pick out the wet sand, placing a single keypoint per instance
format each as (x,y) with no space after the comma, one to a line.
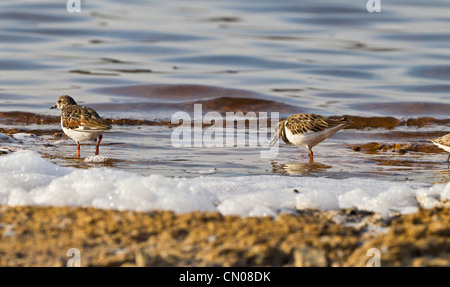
(41,236)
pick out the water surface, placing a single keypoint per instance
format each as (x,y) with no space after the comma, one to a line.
(139,62)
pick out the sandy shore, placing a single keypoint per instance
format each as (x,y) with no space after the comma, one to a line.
(41,236)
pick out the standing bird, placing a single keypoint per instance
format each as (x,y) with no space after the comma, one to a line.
(79,122)
(444,143)
(308,130)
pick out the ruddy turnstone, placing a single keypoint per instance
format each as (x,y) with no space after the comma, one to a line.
(80,123)
(444,143)
(308,130)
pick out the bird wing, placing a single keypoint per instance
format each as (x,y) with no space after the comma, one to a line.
(304,123)
(83,118)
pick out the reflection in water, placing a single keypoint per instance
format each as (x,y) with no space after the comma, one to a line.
(307,168)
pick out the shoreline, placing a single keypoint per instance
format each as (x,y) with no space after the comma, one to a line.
(41,236)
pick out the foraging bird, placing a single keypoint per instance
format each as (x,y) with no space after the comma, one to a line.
(80,123)
(444,143)
(308,130)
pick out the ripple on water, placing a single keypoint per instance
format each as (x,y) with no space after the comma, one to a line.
(341,73)
(36,17)
(23,64)
(439,72)
(405,108)
(6,38)
(234,61)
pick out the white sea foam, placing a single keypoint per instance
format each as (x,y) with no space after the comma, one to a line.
(28,179)
(97,159)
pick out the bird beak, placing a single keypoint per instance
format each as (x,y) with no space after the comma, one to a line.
(272,143)
(54,107)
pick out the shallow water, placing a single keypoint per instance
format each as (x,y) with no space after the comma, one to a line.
(138,63)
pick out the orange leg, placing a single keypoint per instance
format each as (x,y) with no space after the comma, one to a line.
(98,144)
(78,149)
(311,155)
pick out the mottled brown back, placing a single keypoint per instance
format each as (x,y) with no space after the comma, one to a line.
(303,123)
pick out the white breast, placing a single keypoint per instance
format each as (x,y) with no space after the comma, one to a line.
(311,139)
(80,135)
